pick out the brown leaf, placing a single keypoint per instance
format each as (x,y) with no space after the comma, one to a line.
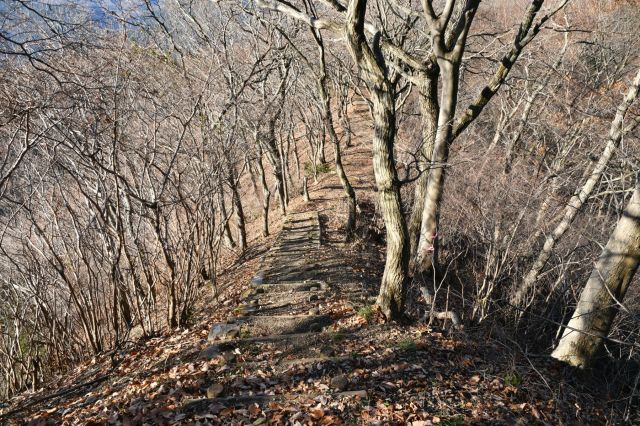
(254,410)
(317,413)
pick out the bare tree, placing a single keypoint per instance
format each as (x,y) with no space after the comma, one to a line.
(582,193)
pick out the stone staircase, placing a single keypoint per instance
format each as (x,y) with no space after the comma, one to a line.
(282,330)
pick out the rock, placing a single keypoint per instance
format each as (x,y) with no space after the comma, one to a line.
(244,309)
(356,393)
(223,331)
(340,382)
(314,311)
(312,297)
(327,350)
(209,353)
(315,327)
(228,357)
(215,390)
(314,288)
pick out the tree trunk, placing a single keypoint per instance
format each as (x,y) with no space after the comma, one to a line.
(327,117)
(393,286)
(322,159)
(581,196)
(305,190)
(224,219)
(266,195)
(428,96)
(346,185)
(296,157)
(426,253)
(284,185)
(238,210)
(448,38)
(272,153)
(371,64)
(604,291)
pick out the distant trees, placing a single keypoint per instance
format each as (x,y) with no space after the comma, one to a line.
(118,184)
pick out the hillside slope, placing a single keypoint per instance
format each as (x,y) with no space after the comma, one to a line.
(359,370)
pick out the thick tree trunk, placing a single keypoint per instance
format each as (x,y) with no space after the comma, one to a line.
(371,64)
(598,305)
(426,254)
(428,95)
(448,37)
(392,289)
(581,196)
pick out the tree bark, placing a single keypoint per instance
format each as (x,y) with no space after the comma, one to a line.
(266,195)
(305,190)
(273,157)
(224,219)
(371,64)
(327,117)
(238,210)
(426,253)
(448,39)
(428,96)
(598,305)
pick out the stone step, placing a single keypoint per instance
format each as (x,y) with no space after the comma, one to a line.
(206,404)
(284,341)
(281,324)
(270,299)
(276,367)
(288,286)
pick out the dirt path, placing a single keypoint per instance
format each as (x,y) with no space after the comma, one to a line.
(287,312)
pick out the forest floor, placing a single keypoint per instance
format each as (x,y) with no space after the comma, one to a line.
(291,337)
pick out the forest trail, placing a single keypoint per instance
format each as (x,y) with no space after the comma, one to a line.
(286,314)
(289,336)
